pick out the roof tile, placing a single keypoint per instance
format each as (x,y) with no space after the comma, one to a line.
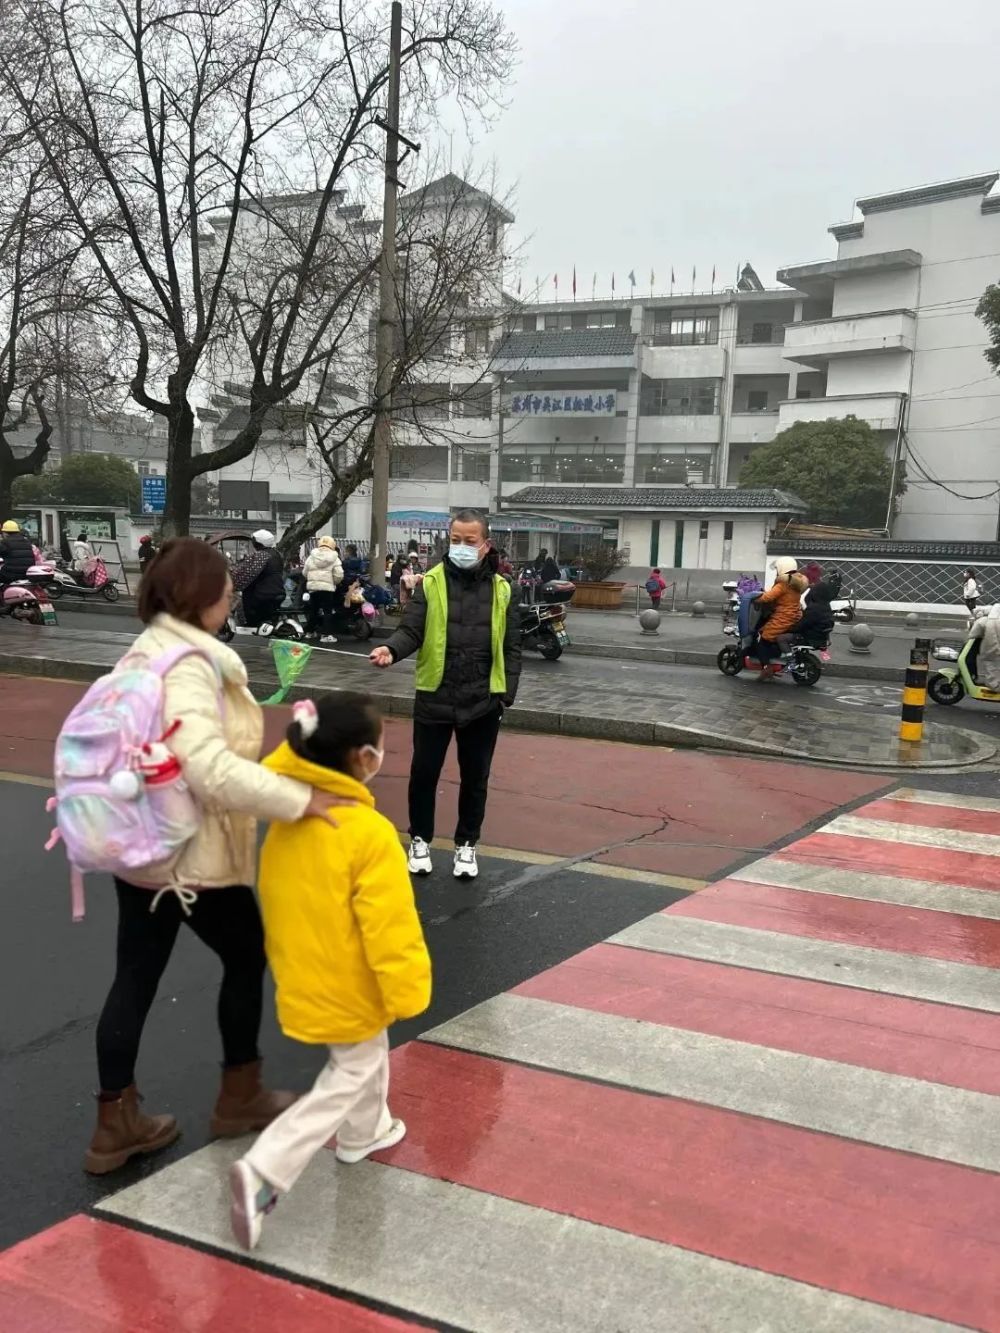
(658,497)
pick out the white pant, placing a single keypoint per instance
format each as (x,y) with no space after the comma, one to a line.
(348,1099)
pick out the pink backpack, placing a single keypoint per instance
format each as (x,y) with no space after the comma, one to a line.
(121,801)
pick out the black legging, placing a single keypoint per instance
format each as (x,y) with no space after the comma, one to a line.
(228,921)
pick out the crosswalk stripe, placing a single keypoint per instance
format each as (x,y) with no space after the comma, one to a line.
(953,1124)
(919,796)
(490,1263)
(812,878)
(962,984)
(983,844)
(893,1033)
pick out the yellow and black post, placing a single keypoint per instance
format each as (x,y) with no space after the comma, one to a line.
(911,724)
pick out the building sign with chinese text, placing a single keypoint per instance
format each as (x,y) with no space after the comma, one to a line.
(588,403)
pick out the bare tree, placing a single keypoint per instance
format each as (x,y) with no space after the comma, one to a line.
(50,307)
(191,119)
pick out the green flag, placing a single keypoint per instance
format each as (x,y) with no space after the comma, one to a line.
(290,661)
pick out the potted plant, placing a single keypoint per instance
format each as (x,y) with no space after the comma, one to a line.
(599,562)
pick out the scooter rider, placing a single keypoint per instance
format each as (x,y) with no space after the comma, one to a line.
(16,552)
(260,578)
(784,599)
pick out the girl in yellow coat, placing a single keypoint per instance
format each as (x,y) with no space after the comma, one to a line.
(346,950)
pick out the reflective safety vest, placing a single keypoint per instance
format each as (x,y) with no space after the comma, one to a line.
(430,658)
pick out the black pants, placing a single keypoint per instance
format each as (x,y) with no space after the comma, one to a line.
(321,609)
(475,743)
(228,921)
(256,610)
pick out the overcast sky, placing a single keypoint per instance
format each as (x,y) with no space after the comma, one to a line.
(645,133)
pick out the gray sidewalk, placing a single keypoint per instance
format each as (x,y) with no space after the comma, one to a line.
(769,722)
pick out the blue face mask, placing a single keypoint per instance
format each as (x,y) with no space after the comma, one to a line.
(464,557)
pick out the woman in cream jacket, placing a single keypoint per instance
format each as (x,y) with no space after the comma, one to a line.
(184,600)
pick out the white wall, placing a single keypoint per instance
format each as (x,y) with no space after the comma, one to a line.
(894,290)
(881,372)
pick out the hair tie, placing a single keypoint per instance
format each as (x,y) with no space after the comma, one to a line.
(306,715)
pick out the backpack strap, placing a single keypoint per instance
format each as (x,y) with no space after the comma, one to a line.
(168,660)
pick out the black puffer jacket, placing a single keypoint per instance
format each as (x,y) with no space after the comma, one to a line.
(17,556)
(464,694)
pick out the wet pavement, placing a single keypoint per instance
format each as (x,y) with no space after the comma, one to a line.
(645,704)
(772,1105)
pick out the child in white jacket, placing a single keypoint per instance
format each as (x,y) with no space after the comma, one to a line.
(323,573)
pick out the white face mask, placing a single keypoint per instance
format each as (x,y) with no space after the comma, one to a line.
(465,557)
(379,756)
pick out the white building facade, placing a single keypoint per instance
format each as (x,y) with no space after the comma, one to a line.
(900,347)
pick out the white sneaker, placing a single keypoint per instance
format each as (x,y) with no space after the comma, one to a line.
(328,638)
(395,1132)
(466,866)
(419,861)
(250,1198)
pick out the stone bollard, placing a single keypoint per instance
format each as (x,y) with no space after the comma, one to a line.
(650,622)
(698,609)
(912,620)
(861,638)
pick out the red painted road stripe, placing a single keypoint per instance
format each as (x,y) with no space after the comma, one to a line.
(972,869)
(891,1033)
(933,816)
(908,1232)
(86,1276)
(828,916)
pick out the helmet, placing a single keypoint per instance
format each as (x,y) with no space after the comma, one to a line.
(784,565)
(262,537)
(11,526)
(147,538)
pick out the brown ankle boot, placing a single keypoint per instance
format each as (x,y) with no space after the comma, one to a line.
(124,1131)
(244,1105)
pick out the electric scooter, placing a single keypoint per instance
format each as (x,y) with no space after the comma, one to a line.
(951,684)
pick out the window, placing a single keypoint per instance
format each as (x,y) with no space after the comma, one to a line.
(655,466)
(762,333)
(757,400)
(803,393)
(727,530)
(589,319)
(685,328)
(565,463)
(477,337)
(421,463)
(679,398)
(703,530)
(424,402)
(470,464)
(529,323)
(473,400)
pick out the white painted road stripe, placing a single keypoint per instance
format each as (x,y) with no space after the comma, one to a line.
(915,835)
(889,1110)
(920,797)
(812,878)
(817,960)
(487,1263)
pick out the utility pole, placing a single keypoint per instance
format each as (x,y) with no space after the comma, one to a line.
(498,502)
(385,332)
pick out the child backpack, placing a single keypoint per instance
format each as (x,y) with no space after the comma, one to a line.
(121,802)
(652,586)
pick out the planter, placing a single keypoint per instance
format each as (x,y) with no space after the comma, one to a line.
(607,596)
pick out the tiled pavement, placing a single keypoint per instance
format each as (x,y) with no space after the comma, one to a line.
(775,1106)
(769,722)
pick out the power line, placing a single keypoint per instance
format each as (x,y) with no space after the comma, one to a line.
(912,453)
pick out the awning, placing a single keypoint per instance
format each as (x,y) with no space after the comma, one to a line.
(508,522)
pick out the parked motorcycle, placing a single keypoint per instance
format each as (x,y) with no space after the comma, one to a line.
(542,615)
(62,581)
(26,600)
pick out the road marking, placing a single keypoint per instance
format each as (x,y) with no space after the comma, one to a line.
(981,844)
(829,1096)
(965,984)
(920,797)
(684,883)
(25,779)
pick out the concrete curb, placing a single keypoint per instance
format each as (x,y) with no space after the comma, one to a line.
(584,725)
